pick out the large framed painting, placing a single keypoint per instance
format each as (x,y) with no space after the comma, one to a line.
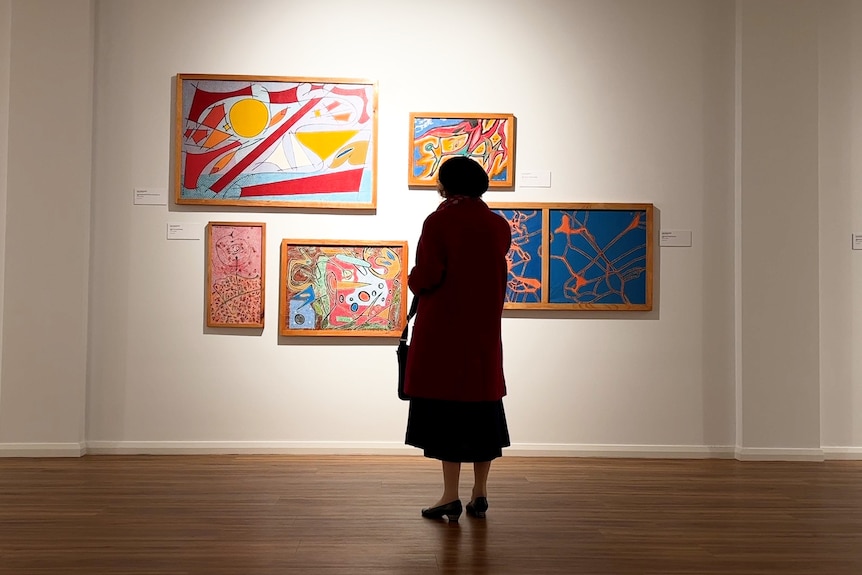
(343,288)
(487,138)
(276,141)
(235,274)
(587,256)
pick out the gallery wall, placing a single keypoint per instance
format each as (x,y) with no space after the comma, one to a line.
(840,216)
(611,99)
(621,101)
(5,46)
(47,225)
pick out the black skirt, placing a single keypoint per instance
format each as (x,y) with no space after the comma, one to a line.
(458,430)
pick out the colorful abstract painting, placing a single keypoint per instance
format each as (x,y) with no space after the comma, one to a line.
(525,256)
(269,141)
(235,259)
(598,257)
(487,138)
(343,288)
(579,256)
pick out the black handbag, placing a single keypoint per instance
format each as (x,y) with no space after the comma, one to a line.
(402,350)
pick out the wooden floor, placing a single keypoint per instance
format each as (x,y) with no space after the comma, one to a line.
(220,515)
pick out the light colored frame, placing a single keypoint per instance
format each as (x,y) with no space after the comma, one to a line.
(487,138)
(309,277)
(634,265)
(272,141)
(235,290)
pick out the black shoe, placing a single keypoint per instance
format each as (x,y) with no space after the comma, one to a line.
(478,507)
(451,510)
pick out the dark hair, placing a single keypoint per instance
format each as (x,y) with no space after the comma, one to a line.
(463,176)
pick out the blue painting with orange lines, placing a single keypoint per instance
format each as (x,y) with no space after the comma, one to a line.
(276,141)
(598,257)
(524,284)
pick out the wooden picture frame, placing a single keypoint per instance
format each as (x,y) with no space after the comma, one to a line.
(235,274)
(437,136)
(270,141)
(343,288)
(599,256)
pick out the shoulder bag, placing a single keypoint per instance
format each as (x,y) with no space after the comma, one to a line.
(402,350)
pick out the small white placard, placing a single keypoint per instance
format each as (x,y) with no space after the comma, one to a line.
(535,179)
(185,231)
(151,196)
(675,239)
(857,241)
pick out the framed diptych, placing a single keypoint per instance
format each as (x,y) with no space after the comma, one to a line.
(487,138)
(235,274)
(276,141)
(579,256)
(343,288)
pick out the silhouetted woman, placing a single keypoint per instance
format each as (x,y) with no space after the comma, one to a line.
(455,364)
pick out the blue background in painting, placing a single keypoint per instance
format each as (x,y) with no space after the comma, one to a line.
(526,235)
(614,265)
(422,125)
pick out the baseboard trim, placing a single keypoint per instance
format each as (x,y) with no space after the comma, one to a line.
(34,450)
(247,448)
(622,451)
(41,450)
(834,452)
(391,448)
(779,454)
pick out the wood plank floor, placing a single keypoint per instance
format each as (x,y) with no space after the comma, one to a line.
(248,515)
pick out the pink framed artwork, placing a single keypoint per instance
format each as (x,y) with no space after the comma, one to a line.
(235,274)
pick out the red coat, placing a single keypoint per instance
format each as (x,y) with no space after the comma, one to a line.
(460,276)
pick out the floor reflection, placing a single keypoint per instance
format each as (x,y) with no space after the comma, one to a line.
(462,546)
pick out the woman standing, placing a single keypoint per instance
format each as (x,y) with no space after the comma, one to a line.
(454,371)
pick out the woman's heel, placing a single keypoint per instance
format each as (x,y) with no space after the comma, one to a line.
(451,510)
(478,507)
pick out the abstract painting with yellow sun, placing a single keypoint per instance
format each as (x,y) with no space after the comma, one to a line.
(276,141)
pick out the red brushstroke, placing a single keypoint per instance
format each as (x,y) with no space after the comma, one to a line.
(285,96)
(362,93)
(339,182)
(203,100)
(195,164)
(215,117)
(199,136)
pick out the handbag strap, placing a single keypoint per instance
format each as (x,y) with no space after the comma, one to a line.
(413,307)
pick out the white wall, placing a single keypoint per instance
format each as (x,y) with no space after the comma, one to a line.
(622,100)
(780,290)
(840,216)
(5,61)
(47,226)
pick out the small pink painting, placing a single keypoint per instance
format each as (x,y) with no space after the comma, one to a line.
(235,274)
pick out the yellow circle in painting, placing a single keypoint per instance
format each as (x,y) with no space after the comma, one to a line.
(248,117)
